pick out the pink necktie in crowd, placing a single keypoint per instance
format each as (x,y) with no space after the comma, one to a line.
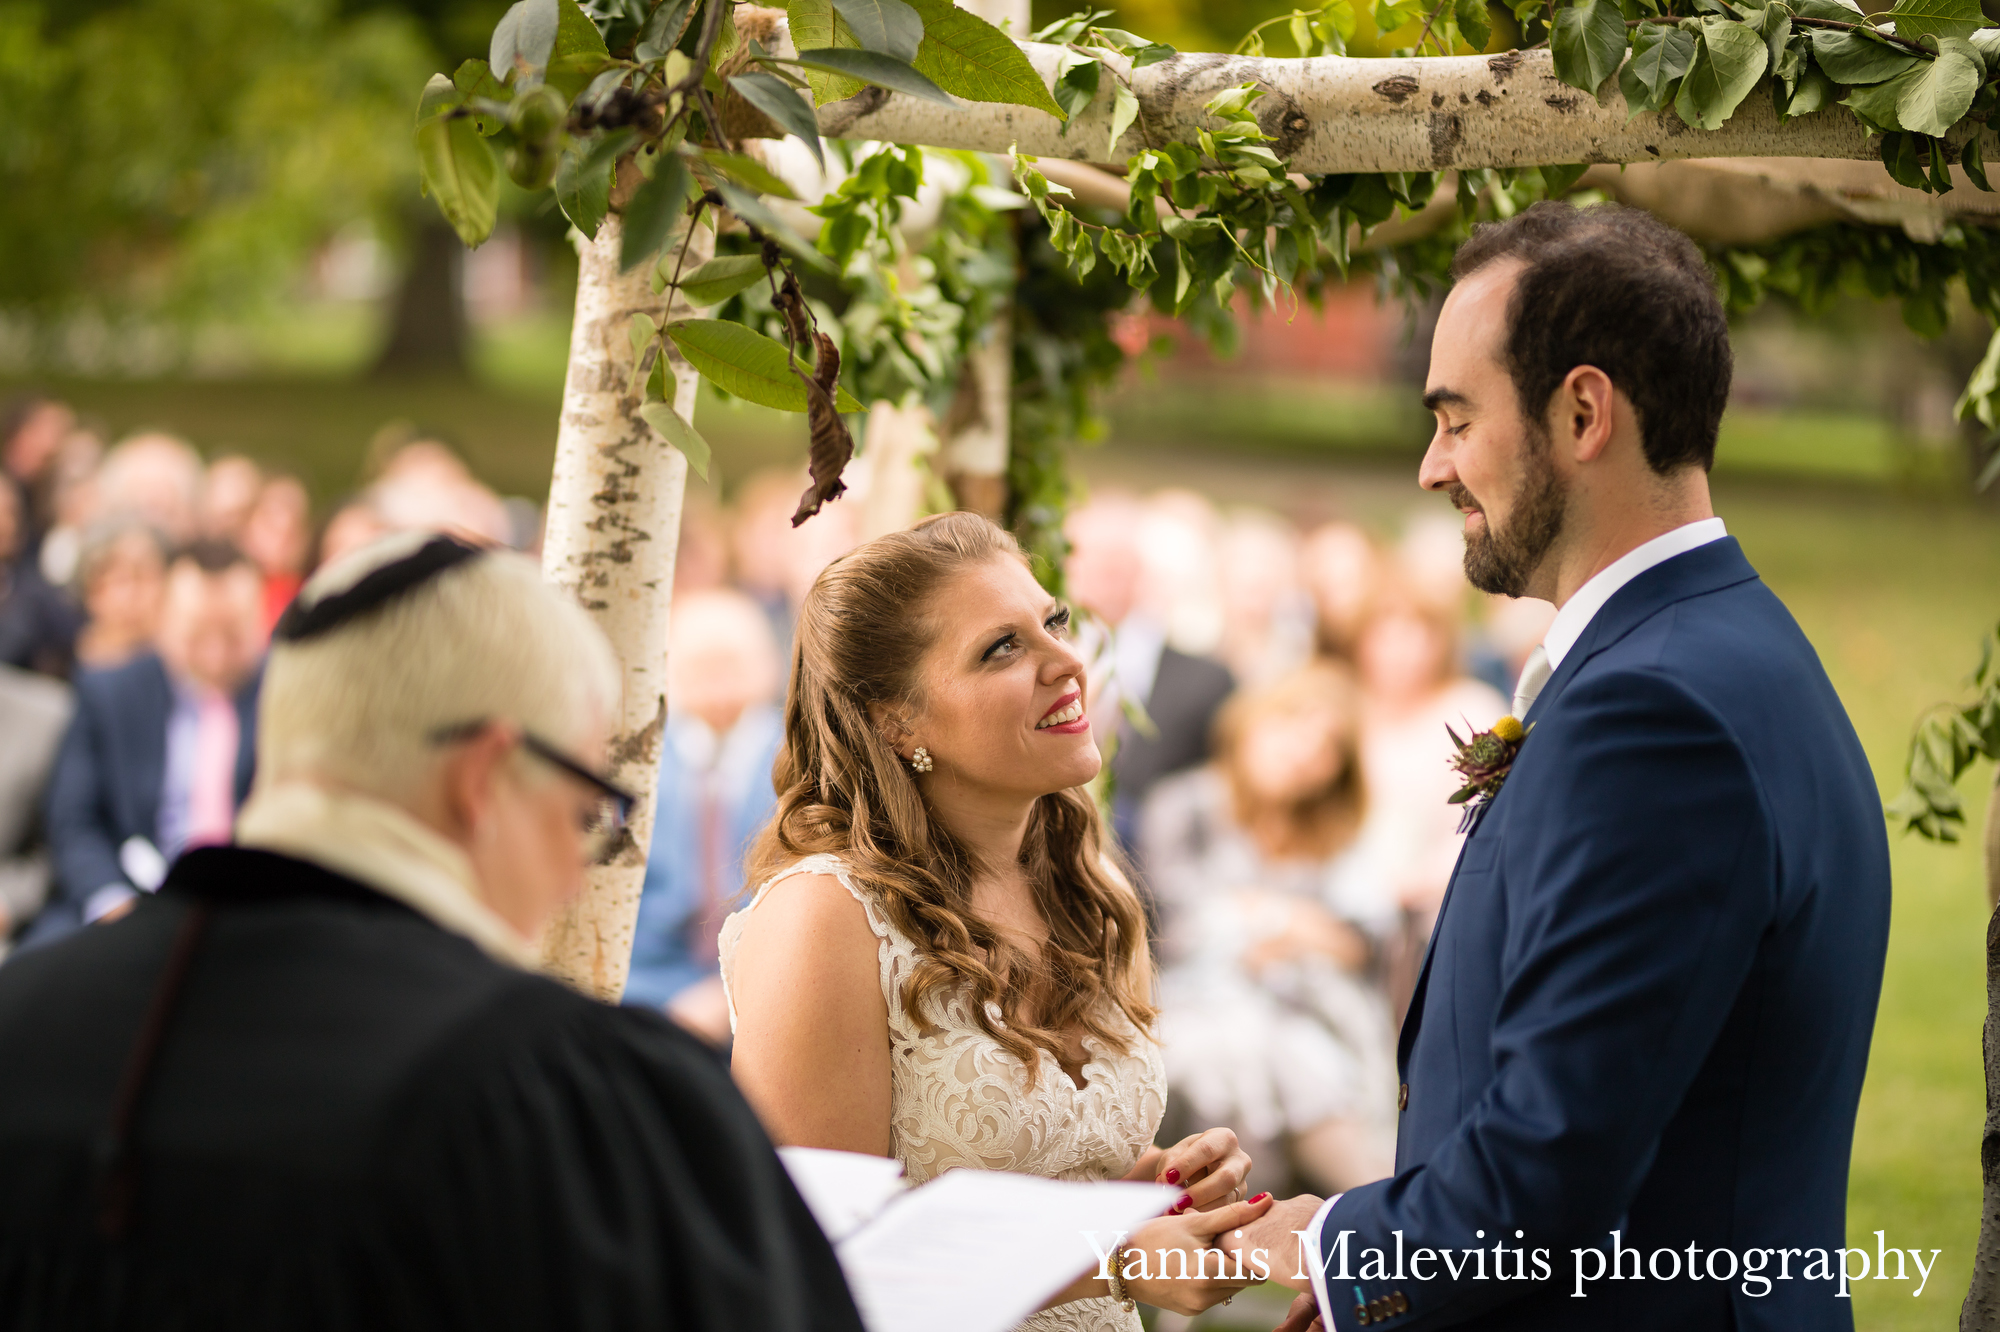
(212,793)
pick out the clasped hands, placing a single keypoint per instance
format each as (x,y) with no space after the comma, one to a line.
(1187,1265)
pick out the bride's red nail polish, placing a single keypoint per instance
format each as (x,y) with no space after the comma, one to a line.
(1259,1198)
(1187,1200)
(1173,1175)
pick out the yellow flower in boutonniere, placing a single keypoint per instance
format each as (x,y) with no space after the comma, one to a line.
(1483,761)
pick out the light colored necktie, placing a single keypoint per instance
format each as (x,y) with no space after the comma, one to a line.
(212,790)
(1533,676)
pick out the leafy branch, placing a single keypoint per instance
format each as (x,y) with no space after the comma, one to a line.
(1948,740)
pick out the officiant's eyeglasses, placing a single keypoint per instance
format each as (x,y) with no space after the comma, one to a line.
(603,824)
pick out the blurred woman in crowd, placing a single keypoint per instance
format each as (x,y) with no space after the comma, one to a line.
(1413,688)
(1340,564)
(121,580)
(277,535)
(1272,911)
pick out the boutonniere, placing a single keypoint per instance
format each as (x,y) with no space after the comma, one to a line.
(1483,762)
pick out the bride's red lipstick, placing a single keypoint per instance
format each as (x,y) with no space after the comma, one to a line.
(1076,727)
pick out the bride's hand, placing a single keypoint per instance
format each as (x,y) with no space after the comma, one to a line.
(1209,1166)
(1166,1284)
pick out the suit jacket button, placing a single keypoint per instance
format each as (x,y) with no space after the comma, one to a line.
(1403,1096)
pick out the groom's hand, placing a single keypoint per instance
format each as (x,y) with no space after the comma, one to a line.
(1274,1233)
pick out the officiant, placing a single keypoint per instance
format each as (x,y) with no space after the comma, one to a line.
(314,1080)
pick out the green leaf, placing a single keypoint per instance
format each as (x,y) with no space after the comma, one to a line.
(1929,97)
(1727,64)
(473,79)
(1974,162)
(1152,54)
(888,26)
(1660,55)
(874,67)
(742,169)
(583,181)
(1076,84)
(456,166)
(1558,179)
(1852,60)
(679,433)
(1937,18)
(1814,91)
(1474,22)
(1899,156)
(778,100)
(663,30)
(748,364)
(719,279)
(747,206)
(653,211)
(970,58)
(524,39)
(1839,11)
(579,53)
(1124,110)
(1588,42)
(815,24)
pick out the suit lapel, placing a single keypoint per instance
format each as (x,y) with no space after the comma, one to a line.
(1707,568)
(152,703)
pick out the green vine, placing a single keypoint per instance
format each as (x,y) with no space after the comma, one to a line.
(1948,740)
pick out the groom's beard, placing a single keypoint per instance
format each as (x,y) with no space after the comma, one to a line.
(1502,560)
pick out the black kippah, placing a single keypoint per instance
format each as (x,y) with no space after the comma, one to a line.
(375,588)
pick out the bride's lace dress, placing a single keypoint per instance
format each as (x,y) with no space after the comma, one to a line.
(959,1099)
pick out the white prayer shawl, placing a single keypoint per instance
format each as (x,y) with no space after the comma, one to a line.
(377,844)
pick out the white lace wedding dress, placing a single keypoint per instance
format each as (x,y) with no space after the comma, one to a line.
(959,1099)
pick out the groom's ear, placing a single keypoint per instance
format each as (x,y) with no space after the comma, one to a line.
(1585,413)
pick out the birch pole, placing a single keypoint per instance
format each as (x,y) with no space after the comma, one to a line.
(613,526)
(1338,114)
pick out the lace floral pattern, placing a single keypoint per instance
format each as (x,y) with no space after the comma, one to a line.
(958,1098)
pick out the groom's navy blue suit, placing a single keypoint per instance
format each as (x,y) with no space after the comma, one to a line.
(1649,995)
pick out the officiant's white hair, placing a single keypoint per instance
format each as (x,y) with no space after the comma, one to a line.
(484,639)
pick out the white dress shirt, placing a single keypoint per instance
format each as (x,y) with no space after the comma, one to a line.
(1570,622)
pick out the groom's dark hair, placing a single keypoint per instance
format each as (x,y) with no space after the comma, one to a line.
(1616,288)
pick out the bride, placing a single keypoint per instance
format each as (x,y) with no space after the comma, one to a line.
(942,965)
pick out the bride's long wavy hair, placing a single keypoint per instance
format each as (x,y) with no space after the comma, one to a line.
(862,631)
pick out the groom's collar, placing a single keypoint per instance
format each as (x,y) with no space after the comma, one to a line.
(1706,568)
(1573,620)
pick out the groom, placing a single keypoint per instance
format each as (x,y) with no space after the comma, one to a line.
(1640,1034)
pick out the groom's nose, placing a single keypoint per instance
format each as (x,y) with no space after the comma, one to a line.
(1437,470)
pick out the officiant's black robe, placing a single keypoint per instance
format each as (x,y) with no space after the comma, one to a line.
(351,1118)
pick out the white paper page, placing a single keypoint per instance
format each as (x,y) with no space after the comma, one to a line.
(980,1250)
(843,1189)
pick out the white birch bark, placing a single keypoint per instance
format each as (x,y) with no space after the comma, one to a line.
(1335,114)
(613,526)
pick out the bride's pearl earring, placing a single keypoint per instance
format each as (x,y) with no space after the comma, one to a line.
(921,760)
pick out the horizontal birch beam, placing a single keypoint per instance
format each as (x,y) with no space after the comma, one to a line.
(1334,114)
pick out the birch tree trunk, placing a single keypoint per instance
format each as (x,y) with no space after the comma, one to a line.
(1337,114)
(613,527)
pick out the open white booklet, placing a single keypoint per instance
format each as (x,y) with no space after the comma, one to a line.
(973,1250)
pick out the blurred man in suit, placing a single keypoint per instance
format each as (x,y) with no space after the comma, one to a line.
(1180,693)
(160,752)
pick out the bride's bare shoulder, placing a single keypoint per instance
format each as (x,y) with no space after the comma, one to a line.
(810,921)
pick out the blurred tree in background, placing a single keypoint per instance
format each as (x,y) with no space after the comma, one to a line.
(172,161)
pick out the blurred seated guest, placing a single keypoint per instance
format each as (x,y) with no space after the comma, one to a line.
(424,485)
(277,536)
(73,505)
(121,579)
(229,489)
(34,710)
(723,731)
(32,431)
(1412,689)
(1179,692)
(1272,908)
(38,625)
(155,477)
(160,752)
(354,1106)
(1432,557)
(356,523)
(1267,614)
(1340,564)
